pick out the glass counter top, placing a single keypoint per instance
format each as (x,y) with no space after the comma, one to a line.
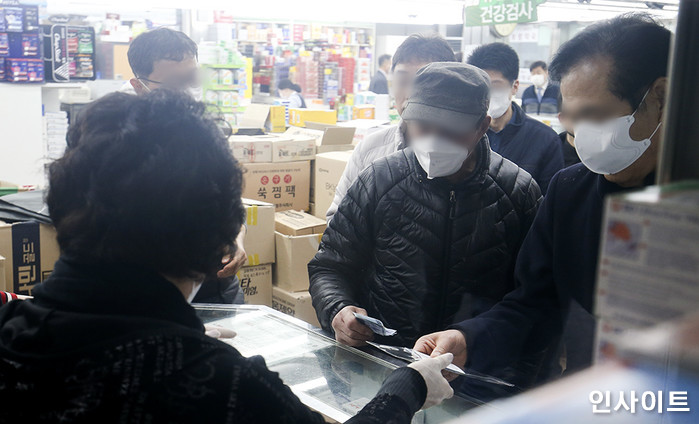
(333,379)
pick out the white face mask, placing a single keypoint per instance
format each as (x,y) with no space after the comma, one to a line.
(538,80)
(196,285)
(499,103)
(197,93)
(437,156)
(607,147)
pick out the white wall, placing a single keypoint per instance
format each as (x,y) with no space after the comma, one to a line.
(21,143)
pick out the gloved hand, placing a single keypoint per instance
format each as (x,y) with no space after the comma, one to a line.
(217,332)
(438,387)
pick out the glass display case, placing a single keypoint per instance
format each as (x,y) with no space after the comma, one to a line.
(333,379)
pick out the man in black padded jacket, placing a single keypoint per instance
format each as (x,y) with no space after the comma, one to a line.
(429,235)
(145,201)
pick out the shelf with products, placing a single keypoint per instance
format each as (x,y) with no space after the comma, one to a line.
(279,48)
(227,83)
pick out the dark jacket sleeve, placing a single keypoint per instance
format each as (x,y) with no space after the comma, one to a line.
(551,160)
(498,337)
(265,398)
(337,272)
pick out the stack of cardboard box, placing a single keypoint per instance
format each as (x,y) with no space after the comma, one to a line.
(297,236)
(278,168)
(328,138)
(29,250)
(328,171)
(256,277)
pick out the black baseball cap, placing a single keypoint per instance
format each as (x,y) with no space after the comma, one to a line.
(452,95)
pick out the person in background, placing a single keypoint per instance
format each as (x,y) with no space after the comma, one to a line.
(379,83)
(291,92)
(613,78)
(541,96)
(162,57)
(165,58)
(527,142)
(414,53)
(570,156)
(428,235)
(110,336)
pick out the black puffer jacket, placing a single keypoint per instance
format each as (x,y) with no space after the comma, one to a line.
(422,254)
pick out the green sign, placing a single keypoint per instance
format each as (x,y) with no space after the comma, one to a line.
(493,12)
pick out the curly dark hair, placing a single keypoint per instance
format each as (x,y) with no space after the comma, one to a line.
(150,181)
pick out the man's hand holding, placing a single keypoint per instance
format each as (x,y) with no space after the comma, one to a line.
(348,330)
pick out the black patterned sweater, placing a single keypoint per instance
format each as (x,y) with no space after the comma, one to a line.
(108,344)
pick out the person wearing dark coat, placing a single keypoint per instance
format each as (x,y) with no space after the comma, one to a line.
(146,201)
(542,96)
(531,144)
(428,235)
(557,266)
(379,83)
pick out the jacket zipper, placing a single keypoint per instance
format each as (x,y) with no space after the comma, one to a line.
(447,255)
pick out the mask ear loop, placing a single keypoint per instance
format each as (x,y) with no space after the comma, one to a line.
(639,105)
(642,100)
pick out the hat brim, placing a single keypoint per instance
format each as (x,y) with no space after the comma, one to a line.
(448,119)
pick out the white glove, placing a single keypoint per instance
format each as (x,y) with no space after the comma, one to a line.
(438,387)
(217,332)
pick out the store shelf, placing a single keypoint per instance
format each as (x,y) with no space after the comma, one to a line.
(222,87)
(228,66)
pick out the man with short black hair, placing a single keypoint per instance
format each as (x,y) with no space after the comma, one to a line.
(415,52)
(541,96)
(527,142)
(613,79)
(163,58)
(379,84)
(427,235)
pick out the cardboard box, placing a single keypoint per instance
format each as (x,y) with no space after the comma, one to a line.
(297,305)
(364,112)
(364,127)
(277,119)
(298,223)
(259,239)
(299,117)
(285,185)
(248,149)
(328,171)
(256,284)
(30,251)
(2,271)
(293,255)
(328,138)
(255,117)
(272,148)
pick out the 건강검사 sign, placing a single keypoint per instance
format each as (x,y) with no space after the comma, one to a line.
(491,12)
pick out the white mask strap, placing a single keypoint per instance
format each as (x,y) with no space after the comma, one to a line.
(656,130)
(642,100)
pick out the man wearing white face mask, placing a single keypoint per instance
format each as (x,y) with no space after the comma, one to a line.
(541,96)
(613,84)
(527,142)
(426,236)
